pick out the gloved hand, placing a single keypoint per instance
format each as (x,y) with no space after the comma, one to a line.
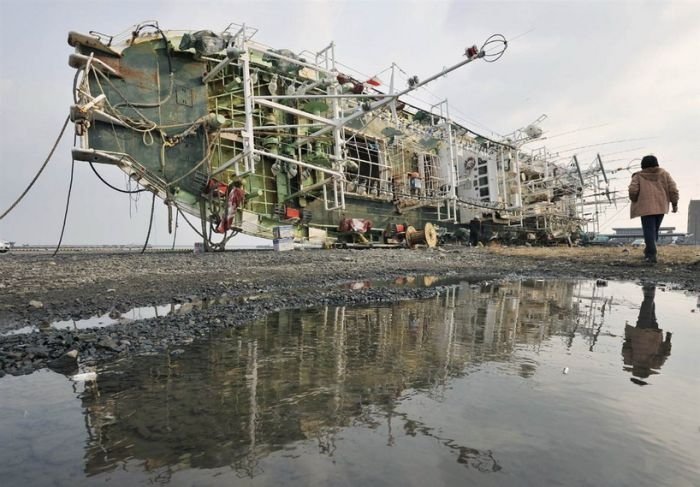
(674,208)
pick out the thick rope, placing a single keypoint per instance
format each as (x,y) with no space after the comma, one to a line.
(150,224)
(65,124)
(65,215)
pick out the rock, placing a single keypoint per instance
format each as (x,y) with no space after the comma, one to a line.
(108,343)
(66,364)
(38,351)
(36,304)
(84,377)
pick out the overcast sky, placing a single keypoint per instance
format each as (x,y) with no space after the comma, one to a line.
(602,72)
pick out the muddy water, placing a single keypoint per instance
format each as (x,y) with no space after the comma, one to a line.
(521,383)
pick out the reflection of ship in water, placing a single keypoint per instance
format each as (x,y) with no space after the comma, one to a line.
(299,376)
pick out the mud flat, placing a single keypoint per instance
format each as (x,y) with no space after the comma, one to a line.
(229,289)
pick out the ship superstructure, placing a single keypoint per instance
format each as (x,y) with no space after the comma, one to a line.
(248,139)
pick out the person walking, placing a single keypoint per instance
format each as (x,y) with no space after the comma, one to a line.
(475,231)
(651,190)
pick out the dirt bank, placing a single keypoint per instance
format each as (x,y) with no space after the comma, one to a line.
(36,289)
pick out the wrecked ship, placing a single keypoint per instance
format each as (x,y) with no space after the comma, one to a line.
(273,143)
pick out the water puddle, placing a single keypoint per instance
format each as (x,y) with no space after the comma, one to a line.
(511,383)
(140,313)
(403,281)
(148,312)
(107,319)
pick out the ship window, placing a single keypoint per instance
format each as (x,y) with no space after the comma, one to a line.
(484,192)
(483,181)
(367,155)
(483,170)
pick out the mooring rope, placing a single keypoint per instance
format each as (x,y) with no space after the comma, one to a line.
(41,169)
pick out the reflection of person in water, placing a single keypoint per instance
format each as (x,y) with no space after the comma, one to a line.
(645,348)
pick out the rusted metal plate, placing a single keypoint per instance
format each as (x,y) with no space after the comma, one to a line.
(76,39)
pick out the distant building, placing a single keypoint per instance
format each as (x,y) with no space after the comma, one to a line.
(637,231)
(628,235)
(693,223)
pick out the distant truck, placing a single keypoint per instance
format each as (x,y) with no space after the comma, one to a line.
(4,246)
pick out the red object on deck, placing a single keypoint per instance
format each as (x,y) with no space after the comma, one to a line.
(216,187)
(357,225)
(291,213)
(236,199)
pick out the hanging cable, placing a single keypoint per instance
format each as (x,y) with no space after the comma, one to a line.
(65,215)
(204,160)
(41,169)
(177,214)
(150,224)
(180,212)
(114,187)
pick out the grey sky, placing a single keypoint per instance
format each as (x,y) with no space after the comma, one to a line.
(630,69)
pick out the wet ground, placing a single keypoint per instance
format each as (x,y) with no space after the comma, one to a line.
(108,305)
(510,382)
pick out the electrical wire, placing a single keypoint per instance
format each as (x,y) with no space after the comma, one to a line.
(180,212)
(114,187)
(150,224)
(157,28)
(177,214)
(65,214)
(119,115)
(41,169)
(620,141)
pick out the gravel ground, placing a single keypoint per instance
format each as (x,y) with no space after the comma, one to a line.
(36,289)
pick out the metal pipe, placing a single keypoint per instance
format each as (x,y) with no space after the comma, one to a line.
(228,163)
(338,135)
(311,187)
(335,193)
(75,60)
(391,90)
(387,100)
(248,140)
(303,97)
(291,60)
(450,141)
(293,111)
(271,127)
(216,70)
(336,174)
